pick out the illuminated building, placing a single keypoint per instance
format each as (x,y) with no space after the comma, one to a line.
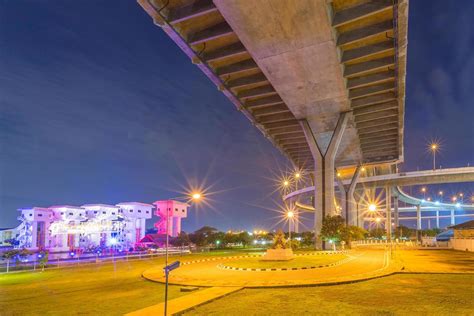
(176,211)
(65,227)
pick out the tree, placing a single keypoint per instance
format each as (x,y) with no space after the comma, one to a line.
(9,255)
(332,228)
(43,258)
(403,231)
(431,232)
(216,238)
(377,232)
(230,238)
(244,239)
(182,240)
(307,239)
(201,236)
(198,239)
(350,233)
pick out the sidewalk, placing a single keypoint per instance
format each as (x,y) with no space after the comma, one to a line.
(185,302)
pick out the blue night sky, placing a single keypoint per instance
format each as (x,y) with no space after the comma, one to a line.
(98,105)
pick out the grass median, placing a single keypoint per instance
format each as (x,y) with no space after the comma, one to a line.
(401,294)
(88,289)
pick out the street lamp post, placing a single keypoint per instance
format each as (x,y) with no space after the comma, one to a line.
(195,197)
(434,148)
(290,215)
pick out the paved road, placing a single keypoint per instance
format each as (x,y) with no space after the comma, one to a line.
(364,264)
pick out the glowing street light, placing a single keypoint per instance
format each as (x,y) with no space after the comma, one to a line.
(196,196)
(423,189)
(372,207)
(454,198)
(297,175)
(378,219)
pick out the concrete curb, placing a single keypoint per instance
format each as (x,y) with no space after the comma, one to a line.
(221,266)
(319,253)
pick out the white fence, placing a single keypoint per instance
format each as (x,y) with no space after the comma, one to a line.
(465,244)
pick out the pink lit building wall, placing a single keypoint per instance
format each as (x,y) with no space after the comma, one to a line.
(176,211)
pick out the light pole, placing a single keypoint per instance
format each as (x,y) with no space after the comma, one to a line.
(290,216)
(196,196)
(434,149)
(423,189)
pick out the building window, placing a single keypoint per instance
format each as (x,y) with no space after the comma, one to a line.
(175,209)
(131,211)
(95,212)
(113,213)
(30,214)
(62,213)
(71,214)
(183,211)
(40,215)
(147,212)
(104,212)
(139,211)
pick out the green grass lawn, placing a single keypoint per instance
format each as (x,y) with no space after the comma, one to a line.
(303,261)
(102,289)
(408,294)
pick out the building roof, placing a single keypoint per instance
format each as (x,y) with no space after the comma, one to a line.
(133,203)
(35,208)
(174,201)
(100,205)
(66,206)
(156,238)
(465,225)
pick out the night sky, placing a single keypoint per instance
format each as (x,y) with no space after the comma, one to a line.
(98,105)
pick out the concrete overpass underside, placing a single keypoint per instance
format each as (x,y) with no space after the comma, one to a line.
(282,62)
(323,80)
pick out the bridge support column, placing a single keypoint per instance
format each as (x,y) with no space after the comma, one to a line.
(342,197)
(324,172)
(418,222)
(453,221)
(351,203)
(388,212)
(437,219)
(360,214)
(395,211)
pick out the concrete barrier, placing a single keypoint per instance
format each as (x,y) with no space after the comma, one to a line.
(465,244)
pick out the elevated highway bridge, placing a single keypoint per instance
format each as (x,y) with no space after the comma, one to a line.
(323,80)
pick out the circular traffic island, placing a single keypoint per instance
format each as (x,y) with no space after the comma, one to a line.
(299,262)
(251,271)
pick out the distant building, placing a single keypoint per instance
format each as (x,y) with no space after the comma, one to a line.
(65,227)
(176,211)
(464,230)
(6,234)
(463,236)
